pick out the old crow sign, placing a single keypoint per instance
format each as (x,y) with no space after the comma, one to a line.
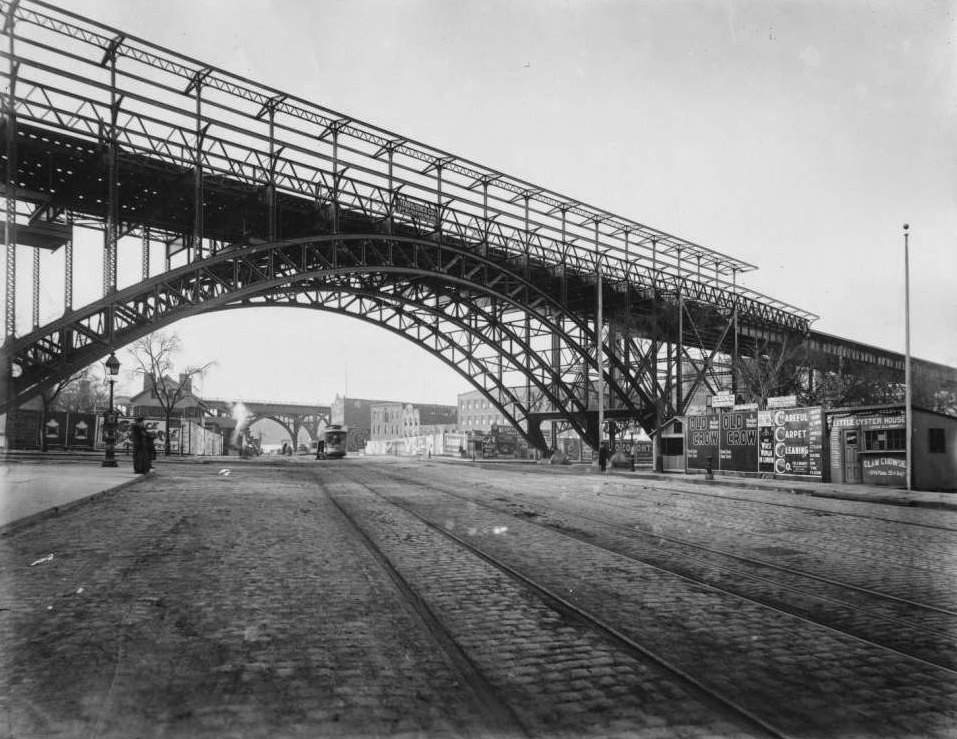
(739,441)
(702,441)
(729,439)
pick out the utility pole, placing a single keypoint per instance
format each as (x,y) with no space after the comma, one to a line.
(908,408)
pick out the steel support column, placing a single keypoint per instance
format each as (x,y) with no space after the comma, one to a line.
(196,85)
(734,355)
(556,365)
(271,188)
(10,222)
(679,384)
(68,268)
(438,199)
(111,228)
(599,344)
(145,256)
(333,128)
(390,219)
(36,288)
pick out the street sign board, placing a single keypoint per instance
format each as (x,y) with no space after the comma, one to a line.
(783,401)
(722,400)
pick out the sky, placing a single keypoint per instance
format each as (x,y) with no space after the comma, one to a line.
(796,135)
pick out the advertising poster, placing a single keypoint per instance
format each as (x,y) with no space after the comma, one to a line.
(454,444)
(701,441)
(157,429)
(884,470)
(54,429)
(797,441)
(81,430)
(572,448)
(816,441)
(765,441)
(739,441)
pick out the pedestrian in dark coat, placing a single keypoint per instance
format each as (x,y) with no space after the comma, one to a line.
(602,457)
(142,442)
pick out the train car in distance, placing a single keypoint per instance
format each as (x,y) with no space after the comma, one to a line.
(335,437)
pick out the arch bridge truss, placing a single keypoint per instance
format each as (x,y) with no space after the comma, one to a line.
(213,193)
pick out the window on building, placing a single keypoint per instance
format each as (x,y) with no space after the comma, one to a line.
(937,440)
(885,440)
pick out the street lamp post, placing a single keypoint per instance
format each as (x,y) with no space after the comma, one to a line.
(908,409)
(109,418)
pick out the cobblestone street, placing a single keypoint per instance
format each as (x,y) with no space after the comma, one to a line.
(366,598)
(205,605)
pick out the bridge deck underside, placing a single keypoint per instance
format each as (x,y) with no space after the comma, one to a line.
(58,173)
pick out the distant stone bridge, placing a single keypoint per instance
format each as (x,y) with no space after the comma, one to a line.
(293,417)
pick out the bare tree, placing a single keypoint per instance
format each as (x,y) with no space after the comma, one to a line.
(82,392)
(153,359)
(857,384)
(775,369)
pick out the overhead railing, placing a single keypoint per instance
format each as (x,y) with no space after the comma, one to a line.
(82,78)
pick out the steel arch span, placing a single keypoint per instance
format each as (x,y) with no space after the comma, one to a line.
(497,328)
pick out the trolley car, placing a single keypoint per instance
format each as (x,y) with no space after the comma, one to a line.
(334,442)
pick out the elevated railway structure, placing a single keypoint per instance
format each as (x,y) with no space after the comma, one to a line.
(258,198)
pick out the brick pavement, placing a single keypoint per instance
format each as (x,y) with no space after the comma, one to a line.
(777,664)
(782,578)
(559,676)
(121,656)
(200,605)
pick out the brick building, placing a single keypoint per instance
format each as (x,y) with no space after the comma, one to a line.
(146,404)
(403,420)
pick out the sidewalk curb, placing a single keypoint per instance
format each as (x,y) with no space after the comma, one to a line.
(29,520)
(803,490)
(744,483)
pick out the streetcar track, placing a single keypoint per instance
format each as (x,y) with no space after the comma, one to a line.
(764,563)
(772,537)
(704,583)
(777,536)
(503,718)
(570,610)
(730,555)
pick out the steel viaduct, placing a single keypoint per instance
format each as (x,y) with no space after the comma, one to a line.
(257,198)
